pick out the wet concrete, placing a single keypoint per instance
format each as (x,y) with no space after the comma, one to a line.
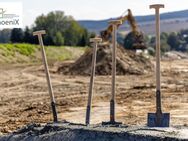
(77,132)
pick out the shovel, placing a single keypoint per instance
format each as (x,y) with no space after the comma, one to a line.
(53,105)
(158,119)
(96,41)
(112,121)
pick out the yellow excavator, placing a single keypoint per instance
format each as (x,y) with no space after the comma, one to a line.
(138,44)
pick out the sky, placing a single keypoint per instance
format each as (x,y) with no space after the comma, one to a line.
(94,9)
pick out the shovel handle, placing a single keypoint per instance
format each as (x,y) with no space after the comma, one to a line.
(96,41)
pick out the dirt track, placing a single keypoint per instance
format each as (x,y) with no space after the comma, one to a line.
(24,96)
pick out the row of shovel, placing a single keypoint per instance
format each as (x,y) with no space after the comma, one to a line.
(157,119)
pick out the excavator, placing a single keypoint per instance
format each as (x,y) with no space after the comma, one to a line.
(138,36)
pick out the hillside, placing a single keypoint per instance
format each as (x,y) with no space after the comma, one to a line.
(171,21)
(28,53)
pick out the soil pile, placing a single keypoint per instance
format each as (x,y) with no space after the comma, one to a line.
(128,62)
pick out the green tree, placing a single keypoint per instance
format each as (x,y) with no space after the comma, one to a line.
(28,36)
(164,36)
(58,40)
(84,39)
(151,51)
(165,47)
(5,35)
(61,27)
(17,35)
(73,34)
(173,41)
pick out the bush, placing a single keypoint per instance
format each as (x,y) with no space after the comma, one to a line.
(151,51)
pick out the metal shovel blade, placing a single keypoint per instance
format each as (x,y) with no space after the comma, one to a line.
(158,121)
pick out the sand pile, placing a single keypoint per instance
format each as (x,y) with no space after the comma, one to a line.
(127,63)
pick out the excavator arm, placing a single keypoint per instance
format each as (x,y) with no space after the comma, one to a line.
(106,34)
(137,37)
(130,18)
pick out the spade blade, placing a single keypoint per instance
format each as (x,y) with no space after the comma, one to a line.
(162,120)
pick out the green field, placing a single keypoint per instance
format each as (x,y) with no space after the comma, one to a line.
(28,53)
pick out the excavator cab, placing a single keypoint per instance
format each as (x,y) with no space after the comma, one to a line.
(105,35)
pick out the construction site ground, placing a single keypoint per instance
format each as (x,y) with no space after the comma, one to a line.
(24,96)
(65,131)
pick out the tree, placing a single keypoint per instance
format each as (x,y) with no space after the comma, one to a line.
(17,35)
(164,36)
(84,39)
(28,37)
(152,42)
(164,46)
(61,29)
(5,35)
(173,41)
(151,51)
(73,34)
(58,40)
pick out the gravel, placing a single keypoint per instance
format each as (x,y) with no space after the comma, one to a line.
(66,131)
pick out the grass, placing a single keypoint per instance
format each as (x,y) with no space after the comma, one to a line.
(21,53)
(24,49)
(64,53)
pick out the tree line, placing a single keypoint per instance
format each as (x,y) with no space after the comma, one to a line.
(176,41)
(61,30)
(64,30)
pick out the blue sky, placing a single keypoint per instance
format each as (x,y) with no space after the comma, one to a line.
(95,9)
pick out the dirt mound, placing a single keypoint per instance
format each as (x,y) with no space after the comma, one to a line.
(127,63)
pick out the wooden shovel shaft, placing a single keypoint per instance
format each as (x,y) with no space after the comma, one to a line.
(46,69)
(158,58)
(158,54)
(158,67)
(88,112)
(114,24)
(114,61)
(95,40)
(114,45)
